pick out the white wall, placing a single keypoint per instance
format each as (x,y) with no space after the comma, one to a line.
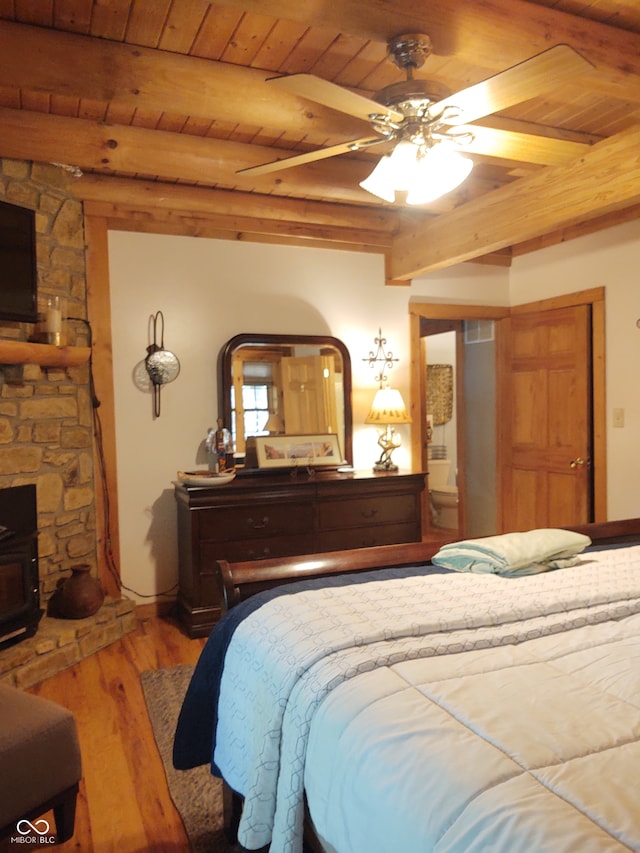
(609,259)
(210,290)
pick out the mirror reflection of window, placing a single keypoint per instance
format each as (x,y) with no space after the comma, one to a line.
(257,399)
(255,402)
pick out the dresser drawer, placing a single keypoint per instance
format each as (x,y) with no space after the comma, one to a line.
(254,549)
(367,537)
(367,511)
(269,516)
(226,524)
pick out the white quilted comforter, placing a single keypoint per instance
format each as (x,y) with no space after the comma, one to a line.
(286,661)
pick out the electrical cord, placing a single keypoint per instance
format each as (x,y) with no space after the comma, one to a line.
(97,426)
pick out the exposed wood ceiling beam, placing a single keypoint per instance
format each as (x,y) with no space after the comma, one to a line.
(133,78)
(619,217)
(605,179)
(238,228)
(199,212)
(142,78)
(139,152)
(202,201)
(491,35)
(171,156)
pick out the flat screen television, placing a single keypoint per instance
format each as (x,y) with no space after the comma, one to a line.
(18,271)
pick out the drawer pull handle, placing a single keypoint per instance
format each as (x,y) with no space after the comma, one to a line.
(369,513)
(258,525)
(252,555)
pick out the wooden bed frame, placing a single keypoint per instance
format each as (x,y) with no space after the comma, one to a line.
(241,580)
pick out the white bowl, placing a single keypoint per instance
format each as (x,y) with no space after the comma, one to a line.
(205,478)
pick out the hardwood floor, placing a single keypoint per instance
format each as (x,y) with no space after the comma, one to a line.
(124,802)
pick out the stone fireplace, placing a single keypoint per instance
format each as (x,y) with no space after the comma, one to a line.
(46,413)
(20,610)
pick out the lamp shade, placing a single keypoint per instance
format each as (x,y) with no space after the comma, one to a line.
(388,408)
(438,172)
(403,163)
(274,423)
(380,181)
(395,171)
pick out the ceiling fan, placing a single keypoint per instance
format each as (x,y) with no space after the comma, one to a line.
(423,121)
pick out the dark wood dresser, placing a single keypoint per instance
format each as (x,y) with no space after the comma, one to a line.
(265,515)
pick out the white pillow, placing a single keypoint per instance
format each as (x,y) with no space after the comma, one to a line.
(514,554)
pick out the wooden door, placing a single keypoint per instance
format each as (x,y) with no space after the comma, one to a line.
(547,480)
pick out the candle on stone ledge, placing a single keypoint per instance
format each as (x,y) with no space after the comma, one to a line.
(53,320)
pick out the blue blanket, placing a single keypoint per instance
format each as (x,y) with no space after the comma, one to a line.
(194,739)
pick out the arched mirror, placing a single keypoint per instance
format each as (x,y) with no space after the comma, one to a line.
(286,384)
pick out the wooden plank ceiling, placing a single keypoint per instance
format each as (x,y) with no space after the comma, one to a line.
(159,104)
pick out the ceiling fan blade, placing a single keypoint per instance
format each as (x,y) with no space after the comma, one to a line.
(331,95)
(528,79)
(525,147)
(312,156)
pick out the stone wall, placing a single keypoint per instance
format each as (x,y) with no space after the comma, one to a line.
(46,417)
(61,643)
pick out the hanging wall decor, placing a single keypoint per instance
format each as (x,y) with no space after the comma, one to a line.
(388,409)
(162,366)
(440,392)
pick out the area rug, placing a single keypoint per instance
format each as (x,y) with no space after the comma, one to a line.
(197,795)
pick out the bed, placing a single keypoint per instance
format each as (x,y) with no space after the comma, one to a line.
(374,700)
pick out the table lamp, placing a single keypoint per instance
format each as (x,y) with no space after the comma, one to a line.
(387,409)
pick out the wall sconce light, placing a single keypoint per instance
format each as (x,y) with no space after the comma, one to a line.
(162,366)
(387,409)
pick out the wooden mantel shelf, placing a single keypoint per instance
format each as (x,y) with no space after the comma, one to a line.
(46,355)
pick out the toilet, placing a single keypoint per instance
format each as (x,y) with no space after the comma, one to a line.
(444,498)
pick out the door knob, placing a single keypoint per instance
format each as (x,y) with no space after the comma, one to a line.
(577,463)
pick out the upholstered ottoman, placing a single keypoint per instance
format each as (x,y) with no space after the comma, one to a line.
(39,763)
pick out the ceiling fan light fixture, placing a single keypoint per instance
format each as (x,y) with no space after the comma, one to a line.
(437,172)
(395,171)
(403,164)
(380,181)
(425,174)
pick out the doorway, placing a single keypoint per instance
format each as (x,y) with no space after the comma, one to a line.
(472,447)
(422,323)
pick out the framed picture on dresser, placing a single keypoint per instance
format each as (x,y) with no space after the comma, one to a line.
(289,451)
